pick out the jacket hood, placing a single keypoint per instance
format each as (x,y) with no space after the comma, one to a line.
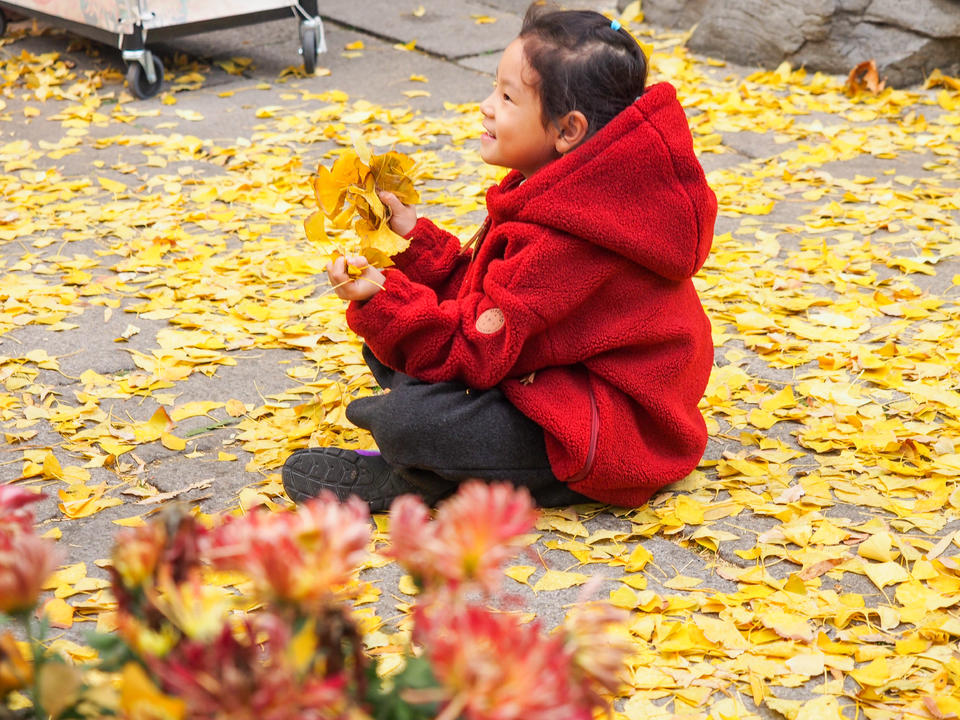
(635,188)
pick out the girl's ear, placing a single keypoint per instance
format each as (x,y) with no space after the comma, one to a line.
(571,131)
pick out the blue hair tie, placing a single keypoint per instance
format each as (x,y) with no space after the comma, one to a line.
(615,24)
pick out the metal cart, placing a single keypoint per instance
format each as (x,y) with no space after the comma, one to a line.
(128,24)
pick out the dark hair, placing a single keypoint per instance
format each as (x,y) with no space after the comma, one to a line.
(583,62)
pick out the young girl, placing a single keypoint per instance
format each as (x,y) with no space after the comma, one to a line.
(566,351)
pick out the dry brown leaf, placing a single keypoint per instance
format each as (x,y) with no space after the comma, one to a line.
(865,78)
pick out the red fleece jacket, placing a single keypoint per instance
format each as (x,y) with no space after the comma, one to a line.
(583,279)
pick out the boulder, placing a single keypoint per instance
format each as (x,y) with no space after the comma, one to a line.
(908,40)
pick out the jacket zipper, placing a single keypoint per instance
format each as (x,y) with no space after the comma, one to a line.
(594,432)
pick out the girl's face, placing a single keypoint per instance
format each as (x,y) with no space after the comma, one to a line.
(512,118)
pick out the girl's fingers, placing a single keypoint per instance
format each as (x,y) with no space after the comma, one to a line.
(352,287)
(337,271)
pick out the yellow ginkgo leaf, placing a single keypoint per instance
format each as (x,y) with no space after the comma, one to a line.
(825,707)
(59,613)
(520,573)
(314,227)
(885,573)
(51,467)
(790,627)
(112,185)
(632,12)
(66,576)
(682,582)
(195,408)
(879,547)
(723,633)
(638,558)
(114,447)
(235,408)
(874,674)
(623,597)
(172,442)
(407,585)
(559,580)
(132,521)
(809,664)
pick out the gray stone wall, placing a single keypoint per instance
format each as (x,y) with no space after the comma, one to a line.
(908,39)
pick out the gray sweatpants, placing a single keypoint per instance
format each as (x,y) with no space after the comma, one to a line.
(442,434)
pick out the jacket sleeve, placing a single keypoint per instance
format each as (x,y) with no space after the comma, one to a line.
(538,282)
(434,259)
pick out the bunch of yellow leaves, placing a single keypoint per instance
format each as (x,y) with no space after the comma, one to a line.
(347,195)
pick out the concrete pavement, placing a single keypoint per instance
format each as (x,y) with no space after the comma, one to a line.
(71,293)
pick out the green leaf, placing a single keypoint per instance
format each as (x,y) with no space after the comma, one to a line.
(390,704)
(113,651)
(417,674)
(214,426)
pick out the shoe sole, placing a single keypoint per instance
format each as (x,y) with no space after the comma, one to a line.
(309,472)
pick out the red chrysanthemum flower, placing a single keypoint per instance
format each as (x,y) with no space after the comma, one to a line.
(296,557)
(468,541)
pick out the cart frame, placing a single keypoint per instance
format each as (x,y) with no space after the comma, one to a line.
(144,69)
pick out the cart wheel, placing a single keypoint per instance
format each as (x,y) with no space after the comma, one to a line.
(137,79)
(3,24)
(308,46)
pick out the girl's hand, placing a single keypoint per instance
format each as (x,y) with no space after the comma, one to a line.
(346,287)
(402,217)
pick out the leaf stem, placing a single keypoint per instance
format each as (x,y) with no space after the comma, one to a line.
(347,282)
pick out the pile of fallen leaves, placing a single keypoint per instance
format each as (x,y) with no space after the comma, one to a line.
(810,568)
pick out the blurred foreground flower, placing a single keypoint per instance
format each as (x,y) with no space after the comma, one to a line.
(497,668)
(299,657)
(298,557)
(26,560)
(140,699)
(467,542)
(490,665)
(15,671)
(136,554)
(292,650)
(257,670)
(13,515)
(598,643)
(149,561)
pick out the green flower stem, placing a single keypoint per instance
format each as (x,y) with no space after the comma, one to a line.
(34,632)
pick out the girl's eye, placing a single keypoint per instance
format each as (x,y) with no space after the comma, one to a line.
(506,97)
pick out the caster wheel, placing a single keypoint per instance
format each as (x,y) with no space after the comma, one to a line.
(308,46)
(137,79)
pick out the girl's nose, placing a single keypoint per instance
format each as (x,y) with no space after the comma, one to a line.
(486,107)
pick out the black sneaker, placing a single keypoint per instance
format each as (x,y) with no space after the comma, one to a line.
(308,471)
